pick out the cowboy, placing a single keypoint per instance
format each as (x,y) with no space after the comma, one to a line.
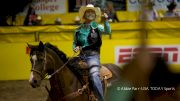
(87,39)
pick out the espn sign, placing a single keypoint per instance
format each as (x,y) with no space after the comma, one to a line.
(171,53)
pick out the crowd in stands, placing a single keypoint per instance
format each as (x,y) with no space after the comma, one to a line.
(149,13)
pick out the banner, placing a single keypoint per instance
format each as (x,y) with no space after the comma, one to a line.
(126,30)
(134,5)
(48,7)
(15,62)
(171,53)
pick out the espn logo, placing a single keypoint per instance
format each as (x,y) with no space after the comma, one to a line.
(125,54)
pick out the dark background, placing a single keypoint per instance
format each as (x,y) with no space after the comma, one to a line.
(9,8)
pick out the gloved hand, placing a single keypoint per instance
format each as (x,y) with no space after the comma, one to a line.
(76,49)
(104,17)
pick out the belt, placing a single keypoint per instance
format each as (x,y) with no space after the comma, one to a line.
(89,52)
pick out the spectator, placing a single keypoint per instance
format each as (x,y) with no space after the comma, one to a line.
(77,20)
(30,17)
(171,12)
(57,21)
(149,12)
(80,3)
(39,20)
(112,16)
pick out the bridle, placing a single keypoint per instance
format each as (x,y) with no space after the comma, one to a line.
(71,95)
(44,66)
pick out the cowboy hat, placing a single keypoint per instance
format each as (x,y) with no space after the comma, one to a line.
(89,6)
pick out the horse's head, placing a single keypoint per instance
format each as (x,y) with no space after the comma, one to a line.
(38,61)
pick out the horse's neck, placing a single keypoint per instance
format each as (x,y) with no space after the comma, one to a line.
(64,81)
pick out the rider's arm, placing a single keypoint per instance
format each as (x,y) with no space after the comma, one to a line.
(106,29)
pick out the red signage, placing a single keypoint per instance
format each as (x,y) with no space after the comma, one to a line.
(125,54)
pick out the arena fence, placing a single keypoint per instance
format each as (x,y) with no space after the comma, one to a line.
(163,38)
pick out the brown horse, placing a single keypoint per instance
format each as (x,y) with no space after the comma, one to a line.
(66,80)
(146,78)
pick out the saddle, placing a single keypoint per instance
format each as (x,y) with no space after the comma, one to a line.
(81,70)
(105,73)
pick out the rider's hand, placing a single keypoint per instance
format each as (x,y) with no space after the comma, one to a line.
(76,49)
(104,17)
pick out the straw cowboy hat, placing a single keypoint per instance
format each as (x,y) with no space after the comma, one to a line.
(89,6)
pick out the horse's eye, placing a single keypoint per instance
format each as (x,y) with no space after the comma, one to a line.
(40,59)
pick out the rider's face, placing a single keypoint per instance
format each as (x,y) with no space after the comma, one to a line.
(90,14)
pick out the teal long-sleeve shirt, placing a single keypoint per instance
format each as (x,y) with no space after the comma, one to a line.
(84,30)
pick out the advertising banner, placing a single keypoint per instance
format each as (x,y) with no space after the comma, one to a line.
(16,60)
(171,53)
(48,7)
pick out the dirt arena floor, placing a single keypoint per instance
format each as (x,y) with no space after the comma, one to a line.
(22,91)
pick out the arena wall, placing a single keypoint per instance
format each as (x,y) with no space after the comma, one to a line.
(15,63)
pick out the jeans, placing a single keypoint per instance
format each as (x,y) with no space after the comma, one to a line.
(93,62)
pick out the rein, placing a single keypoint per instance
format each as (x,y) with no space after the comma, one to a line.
(45,61)
(73,94)
(69,96)
(49,76)
(76,93)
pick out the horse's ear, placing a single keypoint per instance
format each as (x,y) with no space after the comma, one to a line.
(40,43)
(29,46)
(41,46)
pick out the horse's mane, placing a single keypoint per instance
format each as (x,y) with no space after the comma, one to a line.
(72,64)
(61,54)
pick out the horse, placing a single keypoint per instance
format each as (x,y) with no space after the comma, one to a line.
(67,83)
(146,78)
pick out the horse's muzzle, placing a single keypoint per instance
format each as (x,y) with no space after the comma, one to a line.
(34,83)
